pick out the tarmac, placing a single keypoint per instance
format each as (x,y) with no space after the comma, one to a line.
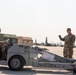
(4,70)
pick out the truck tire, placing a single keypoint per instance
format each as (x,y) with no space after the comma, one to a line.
(74,68)
(74,71)
(16,63)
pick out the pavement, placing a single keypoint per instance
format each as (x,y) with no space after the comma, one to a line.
(4,70)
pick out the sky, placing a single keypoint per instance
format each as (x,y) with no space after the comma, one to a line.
(38,18)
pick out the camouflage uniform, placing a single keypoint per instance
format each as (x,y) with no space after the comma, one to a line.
(68,45)
(2,47)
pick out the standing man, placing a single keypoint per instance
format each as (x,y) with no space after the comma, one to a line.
(69,40)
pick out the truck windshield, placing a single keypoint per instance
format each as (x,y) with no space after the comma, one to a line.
(12,40)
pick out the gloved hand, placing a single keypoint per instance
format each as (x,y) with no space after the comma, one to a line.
(59,36)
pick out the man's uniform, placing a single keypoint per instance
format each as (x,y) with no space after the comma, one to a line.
(2,47)
(68,45)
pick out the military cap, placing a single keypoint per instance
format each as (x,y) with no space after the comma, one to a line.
(68,29)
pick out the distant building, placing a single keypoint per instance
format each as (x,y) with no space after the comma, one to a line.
(0,30)
(46,41)
(35,42)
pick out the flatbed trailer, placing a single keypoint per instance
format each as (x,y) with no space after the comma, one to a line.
(23,55)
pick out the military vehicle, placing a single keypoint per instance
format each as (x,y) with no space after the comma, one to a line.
(24,55)
(25,40)
(12,38)
(9,39)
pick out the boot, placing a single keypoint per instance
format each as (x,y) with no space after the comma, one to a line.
(4,55)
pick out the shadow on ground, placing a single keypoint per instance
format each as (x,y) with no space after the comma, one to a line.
(7,71)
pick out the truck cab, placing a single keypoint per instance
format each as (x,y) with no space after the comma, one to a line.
(12,39)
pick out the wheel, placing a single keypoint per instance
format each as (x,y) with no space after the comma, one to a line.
(74,68)
(74,71)
(16,63)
